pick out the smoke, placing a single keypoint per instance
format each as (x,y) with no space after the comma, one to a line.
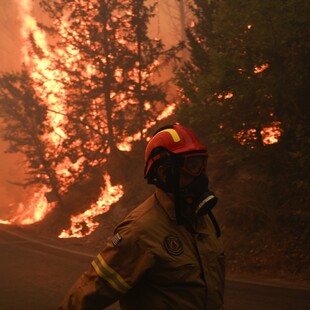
(11,167)
(10,41)
(170,20)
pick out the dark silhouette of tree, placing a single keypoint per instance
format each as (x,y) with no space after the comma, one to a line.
(249,69)
(25,126)
(99,82)
(147,54)
(254,54)
(108,81)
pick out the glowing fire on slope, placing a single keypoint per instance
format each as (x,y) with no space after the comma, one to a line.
(36,210)
(40,69)
(83,224)
(270,135)
(49,89)
(37,207)
(5,222)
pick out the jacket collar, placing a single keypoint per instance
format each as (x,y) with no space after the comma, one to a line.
(166,202)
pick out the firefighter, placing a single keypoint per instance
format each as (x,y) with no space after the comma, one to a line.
(167,253)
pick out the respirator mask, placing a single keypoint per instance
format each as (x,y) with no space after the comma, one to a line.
(196,195)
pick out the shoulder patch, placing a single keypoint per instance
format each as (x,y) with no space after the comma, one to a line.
(173,245)
(116,239)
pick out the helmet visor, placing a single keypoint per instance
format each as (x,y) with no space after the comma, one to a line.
(194,164)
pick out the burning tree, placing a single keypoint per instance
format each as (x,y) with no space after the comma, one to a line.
(109,91)
(96,84)
(25,127)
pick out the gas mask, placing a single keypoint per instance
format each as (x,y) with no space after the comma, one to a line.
(197,197)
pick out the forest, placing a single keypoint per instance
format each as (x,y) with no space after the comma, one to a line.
(91,92)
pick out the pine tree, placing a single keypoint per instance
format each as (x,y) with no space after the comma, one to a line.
(147,54)
(254,55)
(97,79)
(25,127)
(108,82)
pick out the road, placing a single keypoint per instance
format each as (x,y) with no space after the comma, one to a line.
(35,274)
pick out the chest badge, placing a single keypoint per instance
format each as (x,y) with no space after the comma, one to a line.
(173,245)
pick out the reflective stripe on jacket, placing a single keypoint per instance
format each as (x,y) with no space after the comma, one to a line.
(153,263)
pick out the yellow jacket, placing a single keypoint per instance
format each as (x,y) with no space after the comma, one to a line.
(153,263)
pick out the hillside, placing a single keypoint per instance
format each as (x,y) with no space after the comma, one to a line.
(262,239)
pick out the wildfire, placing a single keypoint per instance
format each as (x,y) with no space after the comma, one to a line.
(259,69)
(126,145)
(246,136)
(270,134)
(52,91)
(5,222)
(38,206)
(85,221)
(226,96)
(36,210)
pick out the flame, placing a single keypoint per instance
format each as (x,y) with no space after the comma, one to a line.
(5,222)
(168,111)
(52,91)
(126,145)
(109,195)
(38,206)
(270,135)
(35,211)
(259,69)
(40,71)
(246,136)
(225,96)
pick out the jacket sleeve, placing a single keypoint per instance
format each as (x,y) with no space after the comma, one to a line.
(114,271)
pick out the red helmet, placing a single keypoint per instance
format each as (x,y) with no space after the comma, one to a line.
(175,139)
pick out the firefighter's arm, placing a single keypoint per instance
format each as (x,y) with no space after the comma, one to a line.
(113,273)
(89,292)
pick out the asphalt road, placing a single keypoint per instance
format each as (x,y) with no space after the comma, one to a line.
(35,274)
